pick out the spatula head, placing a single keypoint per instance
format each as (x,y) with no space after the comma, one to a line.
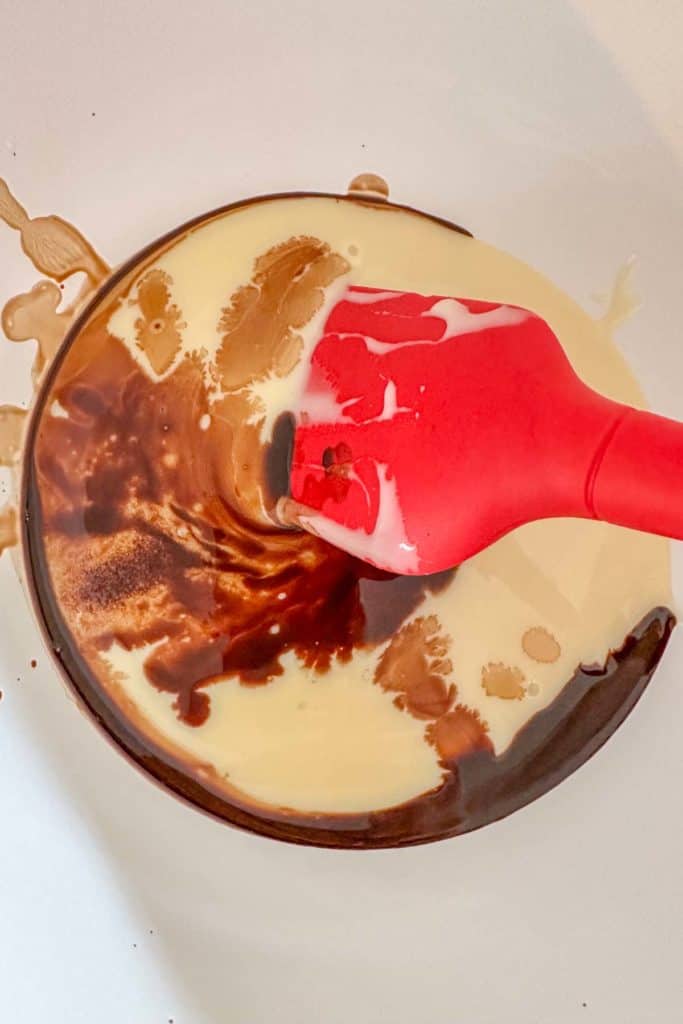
(422,430)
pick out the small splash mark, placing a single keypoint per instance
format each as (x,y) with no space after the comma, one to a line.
(622,301)
(1,695)
(34,663)
(540,645)
(504,681)
(533,690)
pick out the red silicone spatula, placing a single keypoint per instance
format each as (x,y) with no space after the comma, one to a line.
(431,426)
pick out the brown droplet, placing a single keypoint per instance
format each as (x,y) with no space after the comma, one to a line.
(371,184)
(460,731)
(34,663)
(541,645)
(503,681)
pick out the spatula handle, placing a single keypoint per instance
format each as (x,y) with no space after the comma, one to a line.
(637,479)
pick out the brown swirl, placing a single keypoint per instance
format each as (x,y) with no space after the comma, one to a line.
(155,528)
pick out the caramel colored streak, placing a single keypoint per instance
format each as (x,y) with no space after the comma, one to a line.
(54,246)
(11,211)
(8,528)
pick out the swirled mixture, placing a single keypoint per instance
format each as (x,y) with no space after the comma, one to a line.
(271,671)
